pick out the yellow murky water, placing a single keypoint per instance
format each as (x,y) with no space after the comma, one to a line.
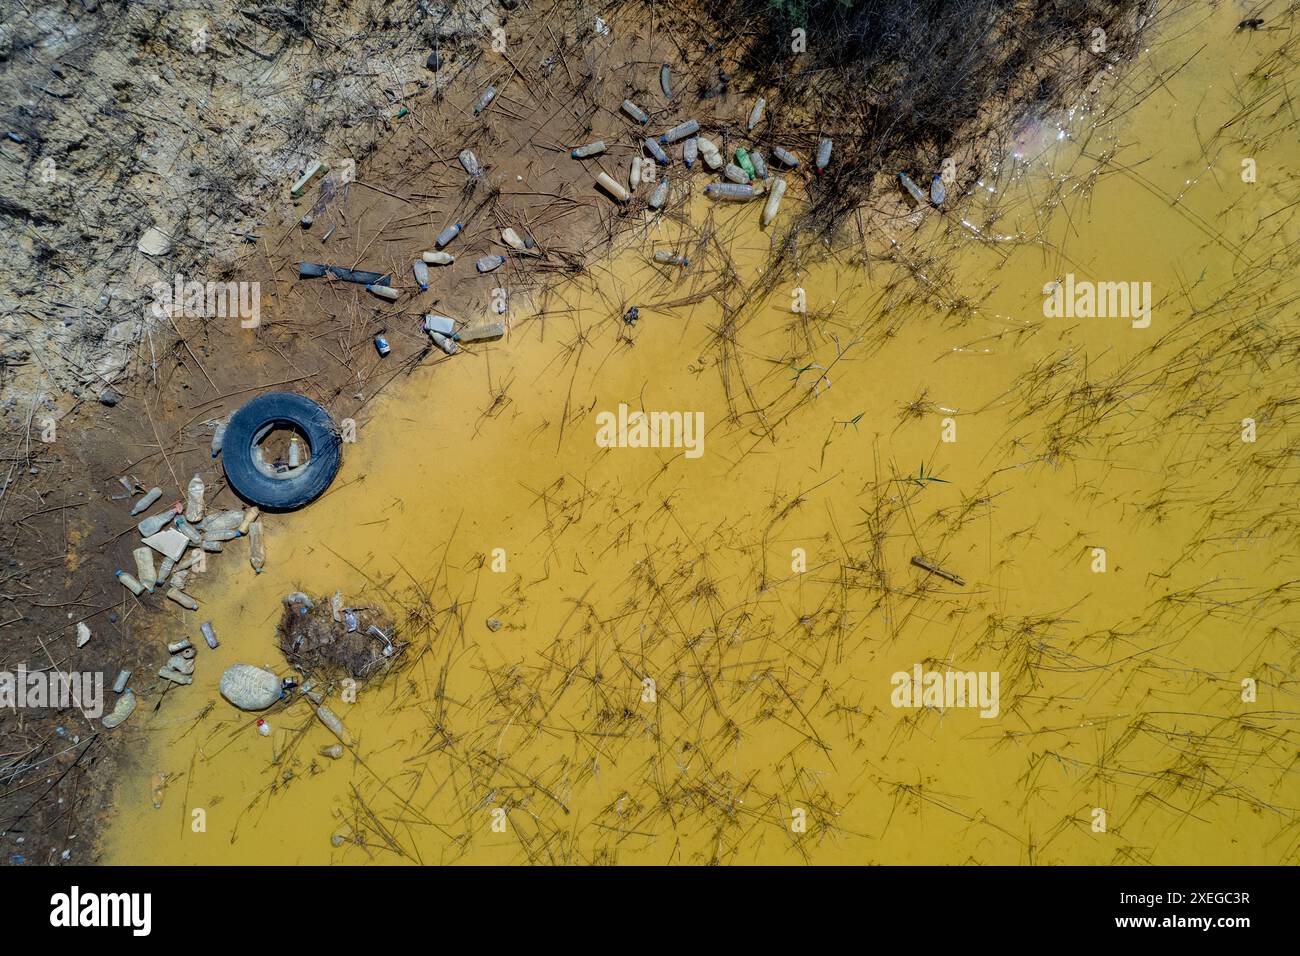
(769,733)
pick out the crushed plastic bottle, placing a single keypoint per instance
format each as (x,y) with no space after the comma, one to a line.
(256,547)
(512,239)
(669,258)
(209,634)
(680,131)
(439,323)
(734,191)
(666,81)
(183,599)
(823,154)
(438,258)
(712,156)
(612,187)
(194,500)
(656,151)
(756,114)
(249,517)
(489,263)
(448,234)
(226,520)
(634,111)
(773,204)
(328,718)
(591,149)
(350,621)
(145,503)
(165,569)
(690,151)
(194,535)
(485,98)
(144,568)
(421,272)
(469,162)
(785,157)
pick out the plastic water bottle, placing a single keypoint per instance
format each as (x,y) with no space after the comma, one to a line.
(760,166)
(656,151)
(938,192)
(744,162)
(634,111)
(756,114)
(249,517)
(438,258)
(218,437)
(669,258)
(129,582)
(913,189)
(773,203)
(680,131)
(469,162)
(183,599)
(421,272)
(145,503)
(187,529)
(736,174)
(209,634)
(712,156)
(155,523)
(335,725)
(144,567)
(591,149)
(383,291)
(443,342)
(194,501)
(634,176)
(660,194)
(263,727)
(785,157)
(512,239)
(256,547)
(484,99)
(614,188)
(448,234)
(295,459)
(230,535)
(823,155)
(690,151)
(666,81)
(734,191)
(489,263)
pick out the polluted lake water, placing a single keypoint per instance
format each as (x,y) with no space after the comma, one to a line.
(677,590)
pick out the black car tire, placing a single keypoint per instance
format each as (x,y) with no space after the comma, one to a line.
(252,480)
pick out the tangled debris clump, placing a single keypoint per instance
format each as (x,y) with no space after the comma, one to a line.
(324,640)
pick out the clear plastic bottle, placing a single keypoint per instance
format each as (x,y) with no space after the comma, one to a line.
(489,263)
(760,166)
(666,81)
(669,258)
(824,154)
(613,188)
(194,500)
(421,272)
(690,151)
(734,191)
(129,582)
(591,149)
(145,503)
(785,157)
(938,191)
(438,258)
(680,131)
(155,523)
(656,151)
(256,547)
(183,599)
(756,114)
(469,162)
(448,234)
(736,174)
(439,323)
(485,98)
(448,345)
(660,194)
(383,291)
(634,111)
(187,529)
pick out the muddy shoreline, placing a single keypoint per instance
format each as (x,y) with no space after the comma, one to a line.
(316,337)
